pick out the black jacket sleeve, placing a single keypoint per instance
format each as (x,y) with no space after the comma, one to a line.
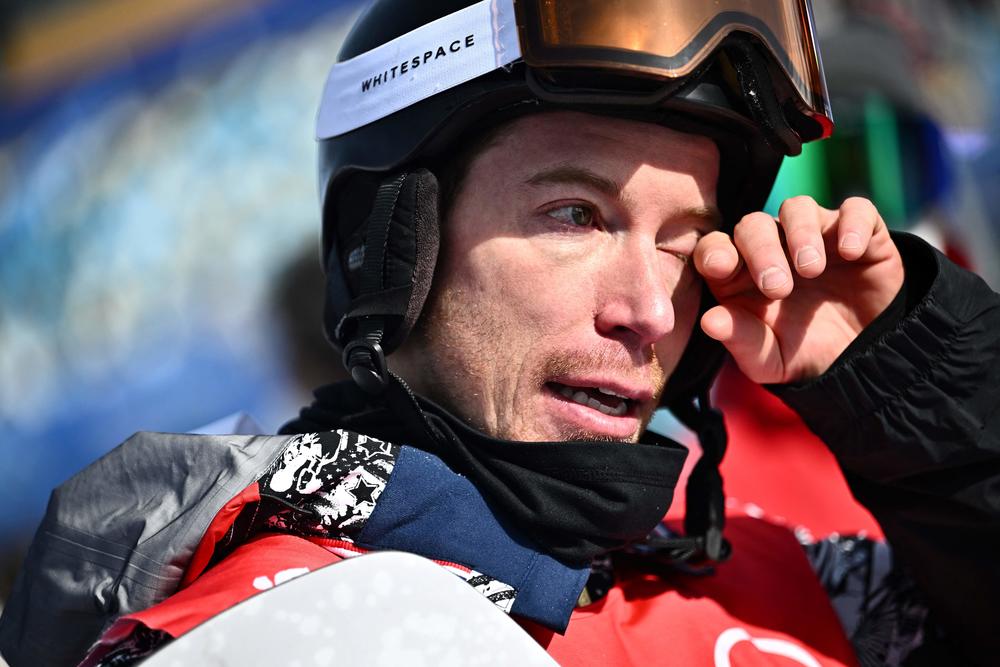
(913,416)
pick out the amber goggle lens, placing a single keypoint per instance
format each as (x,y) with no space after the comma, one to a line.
(670,38)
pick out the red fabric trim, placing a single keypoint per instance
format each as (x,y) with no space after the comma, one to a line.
(350,546)
(457,566)
(119,631)
(256,566)
(766,594)
(223,521)
(337,544)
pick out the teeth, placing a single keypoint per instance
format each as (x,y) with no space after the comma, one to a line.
(608,392)
(582,398)
(607,409)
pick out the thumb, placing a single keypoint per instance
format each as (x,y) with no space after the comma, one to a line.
(750,342)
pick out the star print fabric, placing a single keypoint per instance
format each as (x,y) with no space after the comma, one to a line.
(326,484)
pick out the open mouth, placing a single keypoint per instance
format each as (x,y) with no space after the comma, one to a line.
(602,399)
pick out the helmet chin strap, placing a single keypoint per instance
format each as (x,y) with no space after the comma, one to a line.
(704,517)
(706,501)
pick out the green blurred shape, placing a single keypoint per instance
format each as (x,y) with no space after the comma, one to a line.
(884,160)
(804,174)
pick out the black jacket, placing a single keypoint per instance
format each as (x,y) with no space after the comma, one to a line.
(912,413)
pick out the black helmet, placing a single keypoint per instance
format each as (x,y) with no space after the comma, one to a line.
(416,80)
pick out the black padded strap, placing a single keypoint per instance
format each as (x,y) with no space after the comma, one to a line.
(377,235)
(705,514)
(363,355)
(393,300)
(395,259)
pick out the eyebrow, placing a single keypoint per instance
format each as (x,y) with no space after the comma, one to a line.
(710,216)
(570,174)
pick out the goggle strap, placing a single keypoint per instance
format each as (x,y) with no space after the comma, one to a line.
(759,95)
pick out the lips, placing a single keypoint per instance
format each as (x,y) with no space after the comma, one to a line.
(596,407)
(602,399)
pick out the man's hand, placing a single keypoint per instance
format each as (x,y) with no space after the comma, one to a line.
(782,325)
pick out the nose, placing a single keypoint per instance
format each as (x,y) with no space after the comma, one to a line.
(636,304)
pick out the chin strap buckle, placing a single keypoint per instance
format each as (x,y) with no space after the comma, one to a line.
(717,548)
(365,361)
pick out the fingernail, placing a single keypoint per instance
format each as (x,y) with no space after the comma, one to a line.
(773,278)
(713,258)
(851,241)
(806,256)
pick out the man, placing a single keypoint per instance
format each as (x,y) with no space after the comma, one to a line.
(593,190)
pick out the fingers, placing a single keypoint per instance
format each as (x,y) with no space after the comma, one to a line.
(753,258)
(773,278)
(801,218)
(759,243)
(799,239)
(858,221)
(716,258)
(752,344)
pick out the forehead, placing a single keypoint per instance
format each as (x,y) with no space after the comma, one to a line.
(607,143)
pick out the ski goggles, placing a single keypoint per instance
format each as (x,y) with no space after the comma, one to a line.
(662,40)
(891,155)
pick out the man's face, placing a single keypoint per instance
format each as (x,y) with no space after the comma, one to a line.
(565,292)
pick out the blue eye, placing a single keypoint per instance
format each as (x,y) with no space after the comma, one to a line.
(575,214)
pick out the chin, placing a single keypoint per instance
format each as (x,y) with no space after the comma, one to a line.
(552,432)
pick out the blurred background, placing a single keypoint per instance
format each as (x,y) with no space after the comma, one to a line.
(158,210)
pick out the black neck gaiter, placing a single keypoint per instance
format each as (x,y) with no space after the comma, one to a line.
(576,499)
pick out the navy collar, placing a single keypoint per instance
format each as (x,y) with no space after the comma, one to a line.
(575,500)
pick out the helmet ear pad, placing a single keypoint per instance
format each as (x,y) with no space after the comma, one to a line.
(381,262)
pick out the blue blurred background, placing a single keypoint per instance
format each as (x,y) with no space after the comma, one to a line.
(159,223)
(157,205)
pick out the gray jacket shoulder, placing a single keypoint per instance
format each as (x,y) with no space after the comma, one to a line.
(117,537)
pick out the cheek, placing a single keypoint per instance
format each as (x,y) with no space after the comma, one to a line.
(531,287)
(686,302)
(687,298)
